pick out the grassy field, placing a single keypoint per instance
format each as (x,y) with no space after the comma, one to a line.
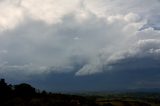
(129,99)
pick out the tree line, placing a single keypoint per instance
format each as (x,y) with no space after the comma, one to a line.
(25,95)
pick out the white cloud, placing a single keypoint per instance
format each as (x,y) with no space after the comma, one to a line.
(50,11)
(131,17)
(10,15)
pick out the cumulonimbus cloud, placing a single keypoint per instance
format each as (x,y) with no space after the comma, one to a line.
(59,36)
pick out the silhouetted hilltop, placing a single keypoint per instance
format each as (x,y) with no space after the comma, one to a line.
(26,95)
(23,90)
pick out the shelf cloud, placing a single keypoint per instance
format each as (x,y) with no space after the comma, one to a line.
(80,36)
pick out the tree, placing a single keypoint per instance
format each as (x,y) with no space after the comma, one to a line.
(24,90)
(5,90)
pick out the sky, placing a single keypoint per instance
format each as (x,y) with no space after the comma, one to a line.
(81,45)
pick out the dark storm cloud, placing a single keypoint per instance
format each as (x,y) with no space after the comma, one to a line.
(78,38)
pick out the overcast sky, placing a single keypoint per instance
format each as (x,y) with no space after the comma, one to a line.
(81,44)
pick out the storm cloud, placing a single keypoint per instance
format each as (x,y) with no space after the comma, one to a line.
(83,37)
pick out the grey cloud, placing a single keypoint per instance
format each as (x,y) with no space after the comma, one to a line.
(83,37)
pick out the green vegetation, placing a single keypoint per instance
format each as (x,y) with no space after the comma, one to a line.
(26,95)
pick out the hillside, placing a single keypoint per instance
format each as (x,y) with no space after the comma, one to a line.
(26,95)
